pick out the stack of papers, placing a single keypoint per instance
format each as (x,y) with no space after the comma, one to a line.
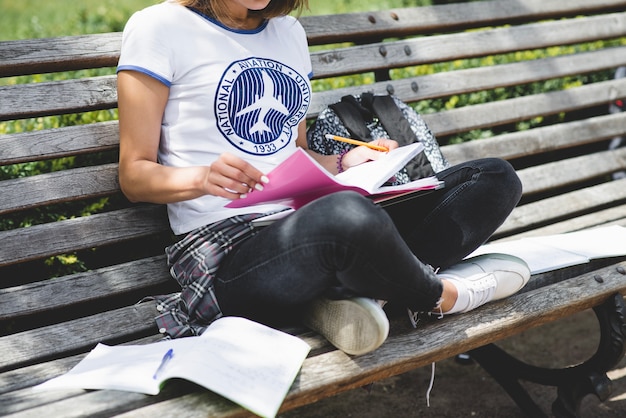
(553,252)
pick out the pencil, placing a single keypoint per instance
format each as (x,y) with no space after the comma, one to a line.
(356,142)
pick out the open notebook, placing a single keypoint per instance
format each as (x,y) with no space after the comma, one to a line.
(300,179)
(246,362)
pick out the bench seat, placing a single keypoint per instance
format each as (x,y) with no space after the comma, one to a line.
(529,81)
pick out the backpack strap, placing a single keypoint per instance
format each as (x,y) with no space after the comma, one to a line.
(354,117)
(398,127)
(392,119)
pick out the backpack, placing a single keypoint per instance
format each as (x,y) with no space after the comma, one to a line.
(368,117)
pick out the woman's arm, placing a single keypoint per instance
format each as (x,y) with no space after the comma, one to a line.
(355,156)
(142,101)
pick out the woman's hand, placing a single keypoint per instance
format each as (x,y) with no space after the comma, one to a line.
(362,154)
(231,177)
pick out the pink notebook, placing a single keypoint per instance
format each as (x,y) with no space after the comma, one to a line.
(300,179)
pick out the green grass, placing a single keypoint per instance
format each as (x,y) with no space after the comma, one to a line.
(47,18)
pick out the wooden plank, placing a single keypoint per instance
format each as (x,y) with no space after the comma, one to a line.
(427,50)
(539,140)
(448,83)
(76,234)
(59,186)
(91,286)
(114,403)
(59,142)
(77,403)
(606,217)
(442,18)
(546,177)
(58,97)
(502,112)
(567,205)
(78,335)
(67,53)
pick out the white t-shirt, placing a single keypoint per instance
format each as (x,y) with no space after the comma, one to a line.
(237,91)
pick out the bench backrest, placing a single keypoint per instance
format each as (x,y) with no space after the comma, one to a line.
(514,50)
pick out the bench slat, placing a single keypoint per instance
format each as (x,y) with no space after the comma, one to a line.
(15,385)
(32,56)
(572,171)
(523,108)
(606,217)
(57,187)
(71,235)
(539,140)
(570,204)
(115,403)
(99,181)
(78,335)
(427,50)
(470,80)
(59,142)
(92,286)
(442,18)
(44,99)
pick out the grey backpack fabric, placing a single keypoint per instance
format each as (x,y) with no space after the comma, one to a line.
(368,117)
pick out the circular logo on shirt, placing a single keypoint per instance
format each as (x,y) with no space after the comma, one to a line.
(258,102)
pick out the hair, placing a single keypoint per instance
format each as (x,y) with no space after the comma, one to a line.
(217,8)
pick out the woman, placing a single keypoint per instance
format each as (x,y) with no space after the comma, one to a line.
(213,95)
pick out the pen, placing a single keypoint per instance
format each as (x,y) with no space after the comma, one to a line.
(356,142)
(166,358)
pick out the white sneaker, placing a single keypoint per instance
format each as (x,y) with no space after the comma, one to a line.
(487,277)
(355,326)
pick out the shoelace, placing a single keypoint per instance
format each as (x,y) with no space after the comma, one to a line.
(480,292)
(414,318)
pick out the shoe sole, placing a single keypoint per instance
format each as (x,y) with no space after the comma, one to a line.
(355,326)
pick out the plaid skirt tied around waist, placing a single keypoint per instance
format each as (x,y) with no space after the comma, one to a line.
(193,262)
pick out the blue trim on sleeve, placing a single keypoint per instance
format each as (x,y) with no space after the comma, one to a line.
(310,75)
(144,71)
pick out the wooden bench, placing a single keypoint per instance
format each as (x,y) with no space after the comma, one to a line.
(47,323)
